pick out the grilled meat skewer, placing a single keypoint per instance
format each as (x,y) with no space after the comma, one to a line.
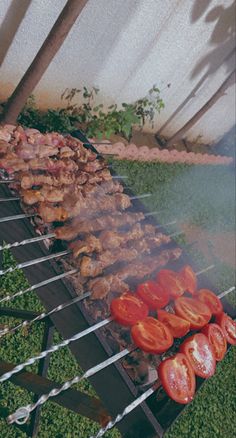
(71,231)
(138,269)
(83,207)
(28,180)
(51,194)
(110,239)
(92,268)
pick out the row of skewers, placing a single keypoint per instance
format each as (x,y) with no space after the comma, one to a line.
(71,193)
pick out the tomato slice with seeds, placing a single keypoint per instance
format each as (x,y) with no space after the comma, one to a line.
(178,378)
(189,278)
(172,282)
(153,295)
(210,298)
(128,309)
(228,326)
(151,336)
(200,354)
(178,326)
(217,339)
(194,311)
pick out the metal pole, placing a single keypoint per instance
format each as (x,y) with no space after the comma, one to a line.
(46,53)
(219,93)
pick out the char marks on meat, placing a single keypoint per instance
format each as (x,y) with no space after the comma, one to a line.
(76,227)
(137,269)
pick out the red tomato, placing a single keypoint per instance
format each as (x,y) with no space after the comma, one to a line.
(151,336)
(217,339)
(178,326)
(153,295)
(228,326)
(200,355)
(128,309)
(190,279)
(194,311)
(213,302)
(178,378)
(172,282)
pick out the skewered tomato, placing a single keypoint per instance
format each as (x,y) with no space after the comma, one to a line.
(178,378)
(172,282)
(228,326)
(128,309)
(213,302)
(153,295)
(217,339)
(194,311)
(200,355)
(178,326)
(152,336)
(190,279)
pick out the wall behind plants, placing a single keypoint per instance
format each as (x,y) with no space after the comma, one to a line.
(126,46)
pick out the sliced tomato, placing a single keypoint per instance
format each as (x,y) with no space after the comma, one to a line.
(228,326)
(200,355)
(151,336)
(190,279)
(178,326)
(178,378)
(172,282)
(194,311)
(153,295)
(210,298)
(128,309)
(217,339)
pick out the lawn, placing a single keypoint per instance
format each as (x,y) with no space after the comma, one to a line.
(203,196)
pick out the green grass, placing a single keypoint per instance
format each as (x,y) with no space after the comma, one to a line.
(183,192)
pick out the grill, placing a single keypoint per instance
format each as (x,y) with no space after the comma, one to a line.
(138,410)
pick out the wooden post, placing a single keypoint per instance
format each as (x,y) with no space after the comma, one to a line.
(219,93)
(42,60)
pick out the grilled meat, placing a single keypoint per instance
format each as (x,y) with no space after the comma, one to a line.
(46,193)
(138,269)
(66,152)
(52,214)
(53,166)
(93,166)
(84,207)
(4,147)
(110,239)
(99,176)
(92,268)
(29,180)
(71,231)
(12,163)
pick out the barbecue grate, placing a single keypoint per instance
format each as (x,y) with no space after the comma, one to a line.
(70,318)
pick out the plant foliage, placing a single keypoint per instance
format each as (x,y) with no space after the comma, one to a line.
(91,117)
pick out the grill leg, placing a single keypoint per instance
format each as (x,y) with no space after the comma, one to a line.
(42,371)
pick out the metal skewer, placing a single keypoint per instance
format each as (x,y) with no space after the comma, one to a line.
(15,217)
(21,415)
(43,315)
(129,408)
(35,261)
(38,285)
(54,348)
(9,199)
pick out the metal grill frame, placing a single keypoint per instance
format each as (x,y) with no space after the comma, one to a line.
(113,385)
